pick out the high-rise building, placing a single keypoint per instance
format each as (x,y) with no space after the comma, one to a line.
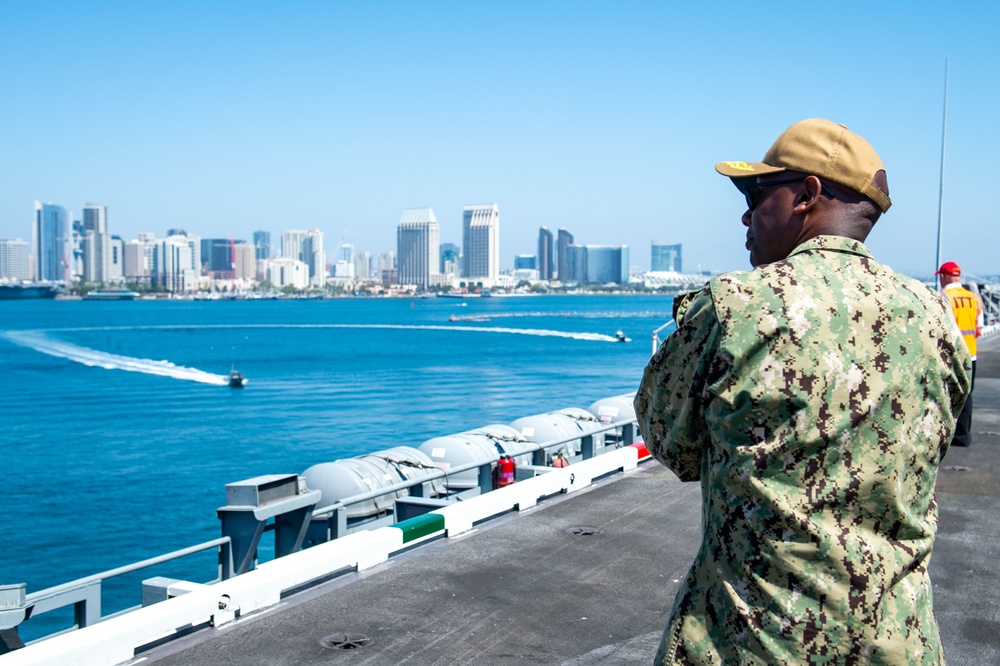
(525,261)
(346,253)
(14,264)
(291,243)
(481,242)
(95,218)
(139,259)
(217,256)
(451,256)
(363,266)
(174,264)
(49,238)
(417,247)
(564,258)
(314,257)
(262,244)
(665,258)
(600,264)
(545,267)
(96,253)
(387,272)
(245,261)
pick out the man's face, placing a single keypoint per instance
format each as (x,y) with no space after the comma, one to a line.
(773,231)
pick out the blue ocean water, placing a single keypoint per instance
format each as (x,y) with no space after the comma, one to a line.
(119,433)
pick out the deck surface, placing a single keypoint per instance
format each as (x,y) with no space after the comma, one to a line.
(526,590)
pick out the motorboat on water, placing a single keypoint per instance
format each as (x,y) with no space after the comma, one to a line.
(621,337)
(237,380)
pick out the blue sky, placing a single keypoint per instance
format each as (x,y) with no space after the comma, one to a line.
(603,118)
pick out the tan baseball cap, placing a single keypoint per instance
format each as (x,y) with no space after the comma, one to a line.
(821,148)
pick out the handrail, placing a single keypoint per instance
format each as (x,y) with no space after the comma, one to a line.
(656,335)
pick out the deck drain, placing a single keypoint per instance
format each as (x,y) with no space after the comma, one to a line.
(345,641)
(584,531)
(957,468)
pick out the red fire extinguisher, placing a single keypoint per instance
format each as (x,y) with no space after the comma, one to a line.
(503,474)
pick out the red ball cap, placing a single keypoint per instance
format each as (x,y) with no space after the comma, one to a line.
(949,268)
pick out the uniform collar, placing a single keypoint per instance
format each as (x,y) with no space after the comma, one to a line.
(954,285)
(833,244)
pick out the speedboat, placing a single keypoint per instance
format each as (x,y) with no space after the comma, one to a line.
(237,380)
(621,337)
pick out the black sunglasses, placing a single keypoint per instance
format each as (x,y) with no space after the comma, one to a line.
(752,192)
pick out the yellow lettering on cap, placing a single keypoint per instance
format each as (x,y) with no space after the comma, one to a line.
(741,166)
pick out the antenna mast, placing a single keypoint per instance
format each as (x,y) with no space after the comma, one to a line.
(944,127)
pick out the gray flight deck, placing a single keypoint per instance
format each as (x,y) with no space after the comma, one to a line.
(527,589)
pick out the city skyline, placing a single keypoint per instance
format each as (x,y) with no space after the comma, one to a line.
(602,119)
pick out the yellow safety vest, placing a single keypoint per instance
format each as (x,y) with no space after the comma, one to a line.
(967,308)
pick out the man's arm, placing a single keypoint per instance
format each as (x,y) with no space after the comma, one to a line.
(670,404)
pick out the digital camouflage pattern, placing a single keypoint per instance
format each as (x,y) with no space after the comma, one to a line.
(814,398)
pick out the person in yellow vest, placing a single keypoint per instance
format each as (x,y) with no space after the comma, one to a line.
(968,311)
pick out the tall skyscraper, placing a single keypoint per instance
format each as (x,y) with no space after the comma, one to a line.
(14,259)
(665,258)
(217,256)
(346,253)
(481,242)
(600,264)
(417,247)
(262,244)
(291,243)
(95,218)
(545,266)
(49,238)
(314,257)
(363,266)
(387,272)
(245,261)
(564,259)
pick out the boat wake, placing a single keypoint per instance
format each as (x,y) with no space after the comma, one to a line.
(98,359)
(540,332)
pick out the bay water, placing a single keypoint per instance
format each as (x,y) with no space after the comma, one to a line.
(119,432)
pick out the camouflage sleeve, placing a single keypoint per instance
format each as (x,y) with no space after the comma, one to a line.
(670,403)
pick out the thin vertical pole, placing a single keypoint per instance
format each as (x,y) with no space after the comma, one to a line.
(944,127)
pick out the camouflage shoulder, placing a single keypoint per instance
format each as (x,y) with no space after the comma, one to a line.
(683,301)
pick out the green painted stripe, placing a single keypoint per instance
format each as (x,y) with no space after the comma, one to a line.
(421,526)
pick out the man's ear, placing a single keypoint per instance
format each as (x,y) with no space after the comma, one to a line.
(807,197)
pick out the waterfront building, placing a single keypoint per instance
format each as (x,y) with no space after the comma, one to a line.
(314,257)
(481,243)
(525,261)
(665,258)
(49,238)
(139,259)
(244,261)
(96,248)
(291,243)
(450,259)
(417,247)
(174,268)
(95,218)
(387,273)
(346,253)
(287,272)
(217,256)
(564,256)
(602,264)
(363,266)
(262,244)
(545,266)
(14,264)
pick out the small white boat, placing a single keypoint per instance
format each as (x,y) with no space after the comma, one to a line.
(621,337)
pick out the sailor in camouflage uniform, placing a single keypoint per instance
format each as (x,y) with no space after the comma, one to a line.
(814,398)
